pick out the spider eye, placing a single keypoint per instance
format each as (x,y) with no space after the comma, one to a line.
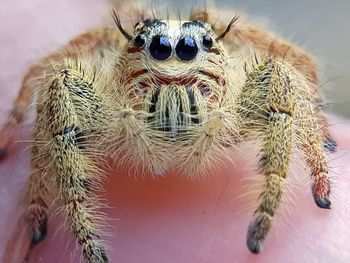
(186,49)
(139,41)
(160,48)
(207,42)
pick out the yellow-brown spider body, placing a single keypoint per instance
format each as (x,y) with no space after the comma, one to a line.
(172,95)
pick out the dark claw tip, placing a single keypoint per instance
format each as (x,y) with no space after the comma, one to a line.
(330,145)
(323,202)
(3,153)
(38,236)
(254,246)
(104,256)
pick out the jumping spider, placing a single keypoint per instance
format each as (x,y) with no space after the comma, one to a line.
(172,94)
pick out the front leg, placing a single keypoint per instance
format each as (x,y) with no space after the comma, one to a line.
(274,163)
(267,106)
(75,180)
(70,106)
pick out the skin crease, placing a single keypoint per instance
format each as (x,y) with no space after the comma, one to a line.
(170,219)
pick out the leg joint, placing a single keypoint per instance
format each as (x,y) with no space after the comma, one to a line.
(73,135)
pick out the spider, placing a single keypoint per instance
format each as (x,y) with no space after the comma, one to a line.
(171,95)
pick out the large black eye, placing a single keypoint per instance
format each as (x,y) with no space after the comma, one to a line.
(186,49)
(160,48)
(207,42)
(139,41)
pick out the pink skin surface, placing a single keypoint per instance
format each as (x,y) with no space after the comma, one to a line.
(169,219)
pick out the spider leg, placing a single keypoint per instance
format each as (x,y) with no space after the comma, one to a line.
(311,142)
(18,111)
(68,105)
(74,180)
(93,41)
(37,200)
(266,104)
(265,42)
(135,145)
(39,191)
(197,159)
(274,163)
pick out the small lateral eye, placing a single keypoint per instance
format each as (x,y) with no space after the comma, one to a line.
(207,42)
(139,41)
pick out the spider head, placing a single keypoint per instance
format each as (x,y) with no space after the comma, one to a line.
(174,70)
(172,48)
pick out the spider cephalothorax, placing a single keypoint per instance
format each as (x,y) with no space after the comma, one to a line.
(175,76)
(172,95)
(165,64)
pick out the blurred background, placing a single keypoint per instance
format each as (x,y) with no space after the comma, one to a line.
(319,26)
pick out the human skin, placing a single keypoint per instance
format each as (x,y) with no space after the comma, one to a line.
(168,219)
